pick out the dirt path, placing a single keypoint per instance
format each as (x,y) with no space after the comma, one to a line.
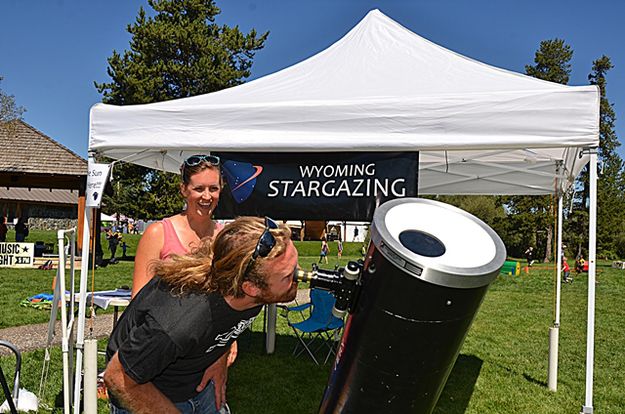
(30,337)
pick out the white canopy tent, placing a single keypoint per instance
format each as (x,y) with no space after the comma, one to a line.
(106,217)
(479,129)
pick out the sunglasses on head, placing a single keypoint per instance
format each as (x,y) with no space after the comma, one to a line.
(197,159)
(265,243)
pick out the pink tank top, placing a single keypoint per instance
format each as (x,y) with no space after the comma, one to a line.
(171,242)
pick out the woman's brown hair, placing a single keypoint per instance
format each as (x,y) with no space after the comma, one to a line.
(220,266)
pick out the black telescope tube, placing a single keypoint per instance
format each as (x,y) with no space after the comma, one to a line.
(412,310)
(400,343)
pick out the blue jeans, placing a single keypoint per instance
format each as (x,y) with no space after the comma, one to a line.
(203,403)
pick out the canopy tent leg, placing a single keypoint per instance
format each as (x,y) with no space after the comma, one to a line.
(270,335)
(554,331)
(592,253)
(82,304)
(66,326)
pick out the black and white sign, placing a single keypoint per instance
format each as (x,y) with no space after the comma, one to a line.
(314,186)
(16,254)
(97,174)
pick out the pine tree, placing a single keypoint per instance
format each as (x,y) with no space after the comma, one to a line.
(552,62)
(533,215)
(179,52)
(610,191)
(610,185)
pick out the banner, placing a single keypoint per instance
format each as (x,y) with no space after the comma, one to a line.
(16,254)
(314,186)
(97,174)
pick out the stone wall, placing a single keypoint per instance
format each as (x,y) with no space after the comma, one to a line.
(37,223)
(42,216)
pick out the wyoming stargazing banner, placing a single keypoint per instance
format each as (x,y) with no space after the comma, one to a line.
(315,186)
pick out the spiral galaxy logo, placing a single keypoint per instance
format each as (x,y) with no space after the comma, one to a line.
(241,178)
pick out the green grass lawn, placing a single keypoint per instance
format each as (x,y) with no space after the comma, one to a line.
(502,367)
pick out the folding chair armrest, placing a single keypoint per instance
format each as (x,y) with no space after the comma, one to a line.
(299,308)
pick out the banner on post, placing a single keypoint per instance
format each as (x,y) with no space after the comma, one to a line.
(315,186)
(16,254)
(97,175)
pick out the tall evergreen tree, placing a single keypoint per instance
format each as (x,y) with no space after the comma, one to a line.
(552,62)
(610,191)
(611,181)
(534,214)
(179,52)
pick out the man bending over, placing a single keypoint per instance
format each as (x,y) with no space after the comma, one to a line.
(185,319)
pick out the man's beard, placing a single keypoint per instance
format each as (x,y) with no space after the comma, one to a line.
(266,297)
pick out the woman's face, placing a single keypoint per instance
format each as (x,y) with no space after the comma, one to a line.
(202,192)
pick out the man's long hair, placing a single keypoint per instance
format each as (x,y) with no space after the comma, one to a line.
(220,266)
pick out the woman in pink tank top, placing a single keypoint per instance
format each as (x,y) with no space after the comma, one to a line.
(180,234)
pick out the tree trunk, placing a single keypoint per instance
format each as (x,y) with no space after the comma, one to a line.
(549,242)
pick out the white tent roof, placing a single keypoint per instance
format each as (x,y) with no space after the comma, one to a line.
(106,217)
(480,129)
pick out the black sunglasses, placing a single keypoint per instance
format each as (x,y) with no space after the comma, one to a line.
(197,159)
(265,243)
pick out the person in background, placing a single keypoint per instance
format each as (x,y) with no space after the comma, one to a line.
(113,237)
(579,264)
(325,249)
(183,321)
(339,249)
(566,271)
(3,229)
(21,230)
(529,256)
(124,249)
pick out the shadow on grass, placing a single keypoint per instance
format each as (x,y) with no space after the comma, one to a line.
(534,380)
(273,384)
(459,388)
(281,383)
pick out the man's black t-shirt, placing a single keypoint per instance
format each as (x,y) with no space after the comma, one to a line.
(170,340)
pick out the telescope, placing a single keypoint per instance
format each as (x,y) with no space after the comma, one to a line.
(340,282)
(410,304)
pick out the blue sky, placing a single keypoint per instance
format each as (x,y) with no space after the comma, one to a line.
(51,51)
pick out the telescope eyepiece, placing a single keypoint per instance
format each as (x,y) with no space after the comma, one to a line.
(303,276)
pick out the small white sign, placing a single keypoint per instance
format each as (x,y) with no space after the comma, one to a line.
(16,254)
(97,175)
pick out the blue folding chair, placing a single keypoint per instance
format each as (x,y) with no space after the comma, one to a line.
(320,326)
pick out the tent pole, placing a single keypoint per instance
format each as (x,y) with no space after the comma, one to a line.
(82,304)
(592,253)
(66,329)
(554,331)
(559,264)
(270,335)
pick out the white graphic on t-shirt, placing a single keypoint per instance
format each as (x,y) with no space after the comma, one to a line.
(223,338)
